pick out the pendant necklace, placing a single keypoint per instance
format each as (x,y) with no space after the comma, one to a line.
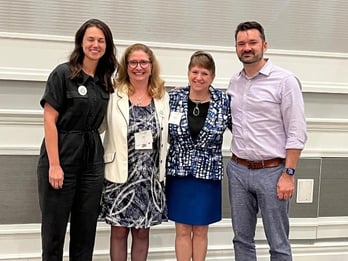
(139,99)
(196,110)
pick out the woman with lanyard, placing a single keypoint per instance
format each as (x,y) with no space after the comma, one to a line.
(135,153)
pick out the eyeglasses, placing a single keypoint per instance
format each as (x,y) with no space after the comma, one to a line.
(143,64)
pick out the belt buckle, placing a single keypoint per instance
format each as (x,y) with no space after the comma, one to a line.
(256,164)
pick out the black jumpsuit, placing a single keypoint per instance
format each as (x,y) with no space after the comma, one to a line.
(81,105)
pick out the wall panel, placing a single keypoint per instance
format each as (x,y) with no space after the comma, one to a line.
(310,25)
(315,225)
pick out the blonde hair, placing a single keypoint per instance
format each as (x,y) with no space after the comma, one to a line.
(155,87)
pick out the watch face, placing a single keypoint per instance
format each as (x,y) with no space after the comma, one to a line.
(290,171)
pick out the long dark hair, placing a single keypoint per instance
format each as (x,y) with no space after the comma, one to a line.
(107,64)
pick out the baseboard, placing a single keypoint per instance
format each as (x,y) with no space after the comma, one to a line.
(314,239)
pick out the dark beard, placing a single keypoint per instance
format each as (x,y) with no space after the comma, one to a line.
(254,59)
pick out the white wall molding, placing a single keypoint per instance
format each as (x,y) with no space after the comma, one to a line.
(327,125)
(21,133)
(40,75)
(320,72)
(21,117)
(324,87)
(313,239)
(124,43)
(23,74)
(323,75)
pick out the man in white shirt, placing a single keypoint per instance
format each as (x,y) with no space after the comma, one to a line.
(269,133)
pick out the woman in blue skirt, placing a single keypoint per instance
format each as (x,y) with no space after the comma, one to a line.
(199,116)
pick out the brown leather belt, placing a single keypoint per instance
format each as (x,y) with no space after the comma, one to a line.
(270,163)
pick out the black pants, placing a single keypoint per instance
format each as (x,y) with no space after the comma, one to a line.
(79,199)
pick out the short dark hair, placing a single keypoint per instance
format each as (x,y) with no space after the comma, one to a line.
(248,26)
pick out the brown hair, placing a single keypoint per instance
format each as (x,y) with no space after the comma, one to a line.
(203,59)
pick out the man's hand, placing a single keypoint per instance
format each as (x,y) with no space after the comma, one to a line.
(285,186)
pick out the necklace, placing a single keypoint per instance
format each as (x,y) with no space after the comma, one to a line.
(196,110)
(139,99)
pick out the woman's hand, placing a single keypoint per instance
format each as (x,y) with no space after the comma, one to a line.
(56,177)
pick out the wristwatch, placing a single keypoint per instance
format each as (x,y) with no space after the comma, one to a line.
(289,171)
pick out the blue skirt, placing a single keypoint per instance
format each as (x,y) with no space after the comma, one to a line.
(193,201)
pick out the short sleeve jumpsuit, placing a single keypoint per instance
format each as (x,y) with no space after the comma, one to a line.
(81,105)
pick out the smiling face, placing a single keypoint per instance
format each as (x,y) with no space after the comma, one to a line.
(250,47)
(200,78)
(139,66)
(93,44)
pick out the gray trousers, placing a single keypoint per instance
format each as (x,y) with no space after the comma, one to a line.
(249,191)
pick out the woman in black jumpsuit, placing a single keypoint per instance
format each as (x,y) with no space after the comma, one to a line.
(71,167)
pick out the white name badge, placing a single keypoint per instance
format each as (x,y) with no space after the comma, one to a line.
(143,140)
(175,117)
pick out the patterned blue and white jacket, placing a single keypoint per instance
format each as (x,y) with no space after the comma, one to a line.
(201,158)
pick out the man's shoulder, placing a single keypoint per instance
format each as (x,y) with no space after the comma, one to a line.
(281,70)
